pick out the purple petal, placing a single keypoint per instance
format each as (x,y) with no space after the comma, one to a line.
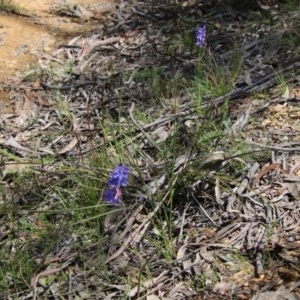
(112,196)
(119,176)
(201,36)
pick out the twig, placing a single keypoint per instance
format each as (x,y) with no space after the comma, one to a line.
(182,221)
(205,213)
(274,148)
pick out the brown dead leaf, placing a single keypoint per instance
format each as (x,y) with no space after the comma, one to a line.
(296,92)
(83,13)
(43,101)
(187,263)
(161,134)
(69,147)
(248,78)
(212,161)
(223,288)
(292,187)
(23,108)
(208,256)
(279,294)
(37,84)
(288,274)
(266,122)
(131,33)
(154,297)
(265,171)
(279,108)
(35,97)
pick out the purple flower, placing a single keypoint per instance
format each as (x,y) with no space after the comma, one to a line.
(119,176)
(201,36)
(113,195)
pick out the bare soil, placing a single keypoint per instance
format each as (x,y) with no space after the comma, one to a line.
(26,37)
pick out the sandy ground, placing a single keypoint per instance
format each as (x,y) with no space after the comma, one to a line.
(23,39)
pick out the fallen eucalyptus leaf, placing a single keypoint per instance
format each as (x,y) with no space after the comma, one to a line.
(212,161)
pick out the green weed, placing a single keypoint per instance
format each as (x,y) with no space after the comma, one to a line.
(292,5)
(211,79)
(9,7)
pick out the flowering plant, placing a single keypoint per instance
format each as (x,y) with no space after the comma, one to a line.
(118,179)
(201,36)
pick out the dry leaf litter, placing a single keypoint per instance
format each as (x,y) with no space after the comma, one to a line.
(222,227)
